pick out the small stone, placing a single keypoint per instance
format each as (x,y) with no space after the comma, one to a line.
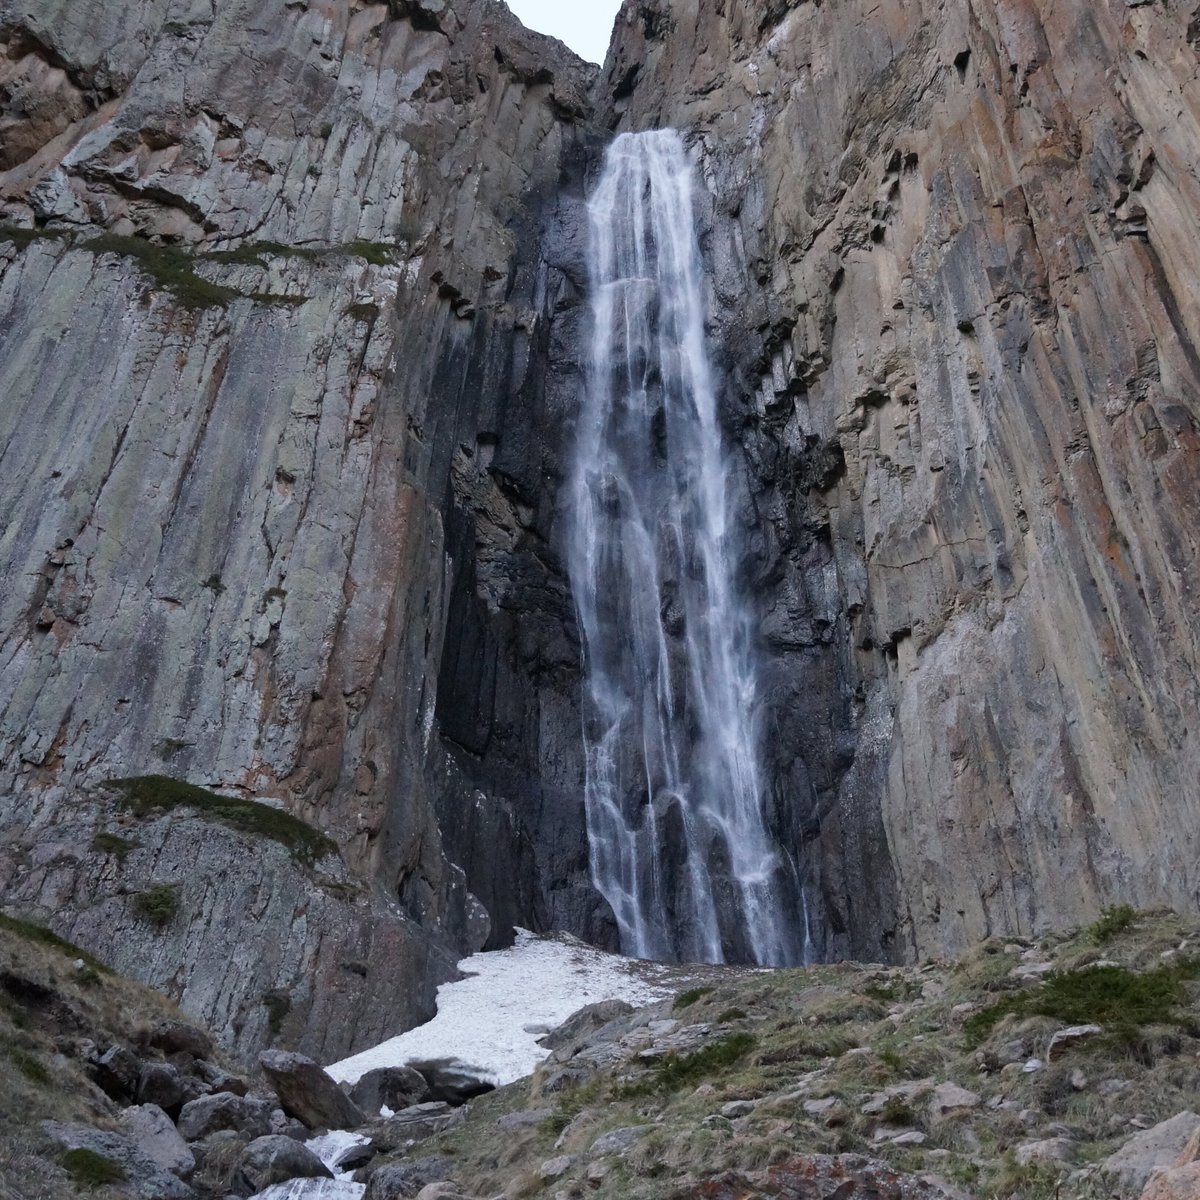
(704,1092)
(1067,1039)
(1048,1150)
(618,1141)
(1034,1064)
(962,1010)
(598,1171)
(556,1168)
(1015,1051)
(524,1120)
(1079,1080)
(949,1101)
(737,1108)
(913,1137)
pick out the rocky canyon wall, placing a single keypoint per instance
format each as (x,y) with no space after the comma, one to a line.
(278,442)
(955,265)
(291,317)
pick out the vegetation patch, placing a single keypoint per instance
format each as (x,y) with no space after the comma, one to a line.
(28,1064)
(1112,921)
(379,254)
(159,904)
(111,843)
(33,932)
(90,1169)
(278,1004)
(678,1071)
(1110,996)
(148,794)
(25,237)
(731,1014)
(688,998)
(170,267)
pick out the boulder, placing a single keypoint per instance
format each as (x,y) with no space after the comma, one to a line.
(1048,1150)
(403,1181)
(220,1080)
(391,1087)
(308,1093)
(949,1101)
(116,1073)
(1181,1181)
(224,1110)
(276,1159)
(556,1168)
(145,1179)
(453,1081)
(1159,1146)
(149,1127)
(179,1037)
(160,1083)
(414,1124)
(584,1022)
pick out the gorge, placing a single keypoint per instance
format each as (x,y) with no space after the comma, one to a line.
(295,316)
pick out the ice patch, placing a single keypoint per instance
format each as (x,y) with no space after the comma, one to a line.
(491,1020)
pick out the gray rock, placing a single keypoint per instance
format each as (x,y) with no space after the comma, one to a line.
(393,1087)
(1068,1039)
(224,1110)
(116,1072)
(154,1132)
(402,1181)
(414,1124)
(308,1093)
(145,1178)
(618,1141)
(949,1100)
(584,1022)
(276,1159)
(220,1080)
(160,1083)
(556,1168)
(1134,1163)
(738,1108)
(1052,1150)
(175,1037)
(524,1120)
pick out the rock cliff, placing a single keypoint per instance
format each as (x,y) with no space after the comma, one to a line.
(275,321)
(954,252)
(290,332)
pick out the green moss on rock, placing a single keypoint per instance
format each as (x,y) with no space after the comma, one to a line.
(145,795)
(90,1169)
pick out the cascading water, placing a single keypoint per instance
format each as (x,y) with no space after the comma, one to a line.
(678,839)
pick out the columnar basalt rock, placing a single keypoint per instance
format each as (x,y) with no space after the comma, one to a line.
(276,308)
(955,263)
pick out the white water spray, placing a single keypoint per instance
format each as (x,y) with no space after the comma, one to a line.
(678,840)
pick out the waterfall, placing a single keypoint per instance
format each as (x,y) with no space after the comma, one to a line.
(678,838)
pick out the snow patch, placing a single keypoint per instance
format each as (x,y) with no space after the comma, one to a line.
(490,1021)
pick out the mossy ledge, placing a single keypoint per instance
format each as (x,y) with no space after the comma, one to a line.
(33,932)
(147,794)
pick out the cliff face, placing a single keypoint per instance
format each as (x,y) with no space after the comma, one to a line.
(273,346)
(290,325)
(955,275)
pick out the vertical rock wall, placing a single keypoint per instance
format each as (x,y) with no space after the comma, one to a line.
(955,275)
(275,309)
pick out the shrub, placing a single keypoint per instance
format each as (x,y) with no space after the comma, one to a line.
(159,904)
(731,1014)
(90,1169)
(1112,921)
(688,998)
(171,268)
(154,793)
(677,1071)
(278,1004)
(1118,999)
(110,843)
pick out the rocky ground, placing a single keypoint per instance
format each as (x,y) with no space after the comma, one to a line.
(1067,1067)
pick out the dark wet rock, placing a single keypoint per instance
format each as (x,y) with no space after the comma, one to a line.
(402,1181)
(308,1093)
(452,1081)
(116,1072)
(276,1159)
(391,1087)
(585,1022)
(224,1111)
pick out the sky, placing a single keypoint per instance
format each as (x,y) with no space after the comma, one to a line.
(585,25)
